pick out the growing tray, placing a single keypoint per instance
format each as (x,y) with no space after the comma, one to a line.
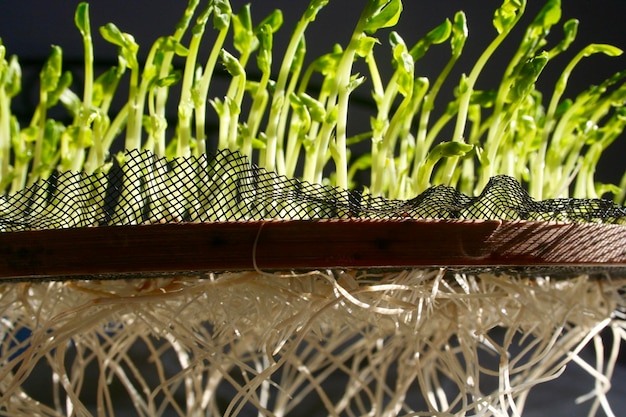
(309,244)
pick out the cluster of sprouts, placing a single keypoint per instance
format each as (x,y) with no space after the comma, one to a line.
(273,112)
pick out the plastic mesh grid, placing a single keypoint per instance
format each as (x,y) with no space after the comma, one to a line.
(225,186)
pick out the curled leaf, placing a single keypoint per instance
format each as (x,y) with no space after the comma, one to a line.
(51,71)
(438,35)
(81,19)
(507,15)
(383,14)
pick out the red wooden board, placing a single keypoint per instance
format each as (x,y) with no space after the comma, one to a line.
(298,244)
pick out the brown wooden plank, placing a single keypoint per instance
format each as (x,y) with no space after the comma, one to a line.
(280,245)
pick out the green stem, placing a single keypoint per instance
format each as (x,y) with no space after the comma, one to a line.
(467,90)
(315,135)
(378,153)
(343,87)
(280,101)
(185,105)
(5,136)
(81,20)
(135,113)
(162,92)
(41,125)
(539,168)
(259,103)
(203,91)
(422,143)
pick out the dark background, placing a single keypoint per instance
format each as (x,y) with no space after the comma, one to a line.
(28,28)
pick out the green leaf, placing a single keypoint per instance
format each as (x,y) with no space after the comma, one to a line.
(482,156)
(201,21)
(449,149)
(384,14)
(549,16)
(266,40)
(563,107)
(403,63)
(244,38)
(304,117)
(459,34)
(81,19)
(528,74)
(401,57)
(570,30)
(19,143)
(170,79)
(355,81)
(64,82)
(52,136)
(327,63)
(274,20)
(366,45)
(611,189)
(506,15)
(107,82)
(362,163)
(483,98)
(260,142)
(314,7)
(441,33)
(218,106)
(221,14)
(231,63)
(171,44)
(463,86)
(51,71)
(128,48)
(13,77)
(112,34)
(316,108)
(438,35)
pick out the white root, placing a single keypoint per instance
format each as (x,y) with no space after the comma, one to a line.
(410,343)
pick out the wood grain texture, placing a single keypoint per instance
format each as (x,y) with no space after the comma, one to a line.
(297,244)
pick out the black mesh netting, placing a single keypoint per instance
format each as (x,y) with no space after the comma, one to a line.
(224,186)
